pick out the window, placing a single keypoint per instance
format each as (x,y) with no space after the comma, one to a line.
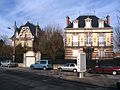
(75,40)
(88,23)
(42,62)
(66,65)
(101,24)
(72,65)
(75,24)
(88,40)
(101,40)
(75,53)
(101,53)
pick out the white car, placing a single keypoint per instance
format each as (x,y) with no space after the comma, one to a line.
(68,67)
(8,63)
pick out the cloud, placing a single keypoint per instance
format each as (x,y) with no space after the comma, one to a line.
(52,11)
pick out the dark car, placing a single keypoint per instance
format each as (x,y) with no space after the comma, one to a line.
(106,69)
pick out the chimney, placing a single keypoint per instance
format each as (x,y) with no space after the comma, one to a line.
(67,21)
(108,19)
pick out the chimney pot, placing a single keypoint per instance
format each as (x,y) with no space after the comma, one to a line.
(67,21)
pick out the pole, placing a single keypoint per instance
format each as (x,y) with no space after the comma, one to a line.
(14,41)
(14,50)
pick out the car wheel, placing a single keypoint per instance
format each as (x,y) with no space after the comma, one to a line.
(114,72)
(32,67)
(60,69)
(75,70)
(94,71)
(44,68)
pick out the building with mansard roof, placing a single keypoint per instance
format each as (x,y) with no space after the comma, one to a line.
(88,34)
(25,35)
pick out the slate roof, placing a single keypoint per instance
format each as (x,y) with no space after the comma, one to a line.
(31,27)
(81,21)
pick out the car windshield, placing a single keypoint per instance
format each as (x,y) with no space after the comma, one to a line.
(6,61)
(37,62)
(106,66)
(66,64)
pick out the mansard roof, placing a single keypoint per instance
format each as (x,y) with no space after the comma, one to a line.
(81,21)
(31,26)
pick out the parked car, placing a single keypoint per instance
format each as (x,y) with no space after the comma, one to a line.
(106,69)
(42,64)
(8,63)
(68,67)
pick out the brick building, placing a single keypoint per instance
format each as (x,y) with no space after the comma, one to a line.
(88,34)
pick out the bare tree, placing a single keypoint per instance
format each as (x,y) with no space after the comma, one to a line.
(5,39)
(51,43)
(116,34)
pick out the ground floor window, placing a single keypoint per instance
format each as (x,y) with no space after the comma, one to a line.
(75,53)
(101,53)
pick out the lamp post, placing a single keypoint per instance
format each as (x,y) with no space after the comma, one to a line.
(14,49)
(14,37)
(13,45)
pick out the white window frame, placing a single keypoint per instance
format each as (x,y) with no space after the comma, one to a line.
(101,53)
(101,40)
(75,53)
(75,40)
(101,24)
(88,40)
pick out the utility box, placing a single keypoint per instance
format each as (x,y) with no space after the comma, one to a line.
(81,64)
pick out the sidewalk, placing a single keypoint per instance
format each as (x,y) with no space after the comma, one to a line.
(95,79)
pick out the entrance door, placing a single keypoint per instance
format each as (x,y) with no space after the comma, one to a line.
(29,61)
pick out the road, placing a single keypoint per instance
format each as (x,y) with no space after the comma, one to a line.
(21,79)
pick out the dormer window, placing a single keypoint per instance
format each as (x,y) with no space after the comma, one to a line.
(100,23)
(75,24)
(88,23)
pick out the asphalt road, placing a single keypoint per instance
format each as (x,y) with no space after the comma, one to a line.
(20,79)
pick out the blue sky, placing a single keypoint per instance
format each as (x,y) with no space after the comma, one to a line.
(47,12)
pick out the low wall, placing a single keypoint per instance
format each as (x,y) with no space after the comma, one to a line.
(55,66)
(21,65)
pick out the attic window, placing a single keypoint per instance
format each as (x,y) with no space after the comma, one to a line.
(88,23)
(75,24)
(100,23)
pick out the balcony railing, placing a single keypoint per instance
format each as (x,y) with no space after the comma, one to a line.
(101,43)
(75,43)
(88,44)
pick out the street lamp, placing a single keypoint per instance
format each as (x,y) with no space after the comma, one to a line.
(13,45)
(14,37)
